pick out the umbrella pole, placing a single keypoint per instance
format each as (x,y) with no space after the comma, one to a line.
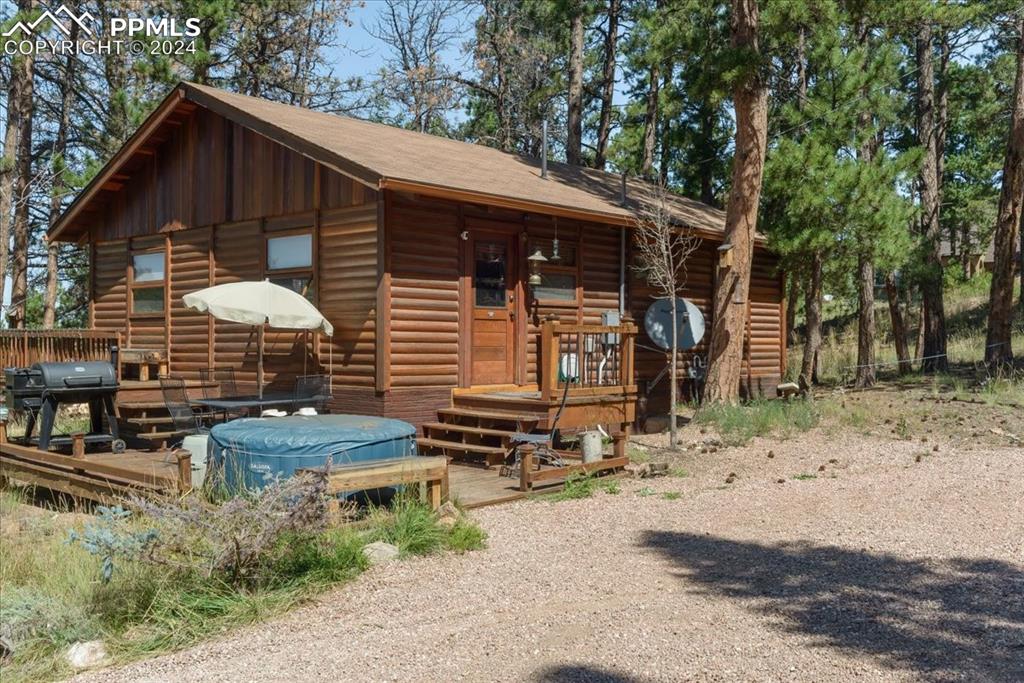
(259,362)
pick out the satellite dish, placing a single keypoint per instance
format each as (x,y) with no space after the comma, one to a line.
(658,323)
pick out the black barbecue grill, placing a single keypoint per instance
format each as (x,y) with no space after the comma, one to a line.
(39,391)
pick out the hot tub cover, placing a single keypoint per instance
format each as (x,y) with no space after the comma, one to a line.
(315,435)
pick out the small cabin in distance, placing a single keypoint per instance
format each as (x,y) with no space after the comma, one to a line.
(415,247)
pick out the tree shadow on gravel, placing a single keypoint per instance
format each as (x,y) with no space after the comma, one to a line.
(941,619)
(580,673)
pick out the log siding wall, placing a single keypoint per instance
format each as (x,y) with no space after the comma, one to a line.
(208,196)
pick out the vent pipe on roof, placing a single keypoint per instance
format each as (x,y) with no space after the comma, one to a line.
(622,196)
(544,149)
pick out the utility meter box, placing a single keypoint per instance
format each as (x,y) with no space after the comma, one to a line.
(611,318)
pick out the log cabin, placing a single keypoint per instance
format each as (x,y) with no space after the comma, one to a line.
(415,247)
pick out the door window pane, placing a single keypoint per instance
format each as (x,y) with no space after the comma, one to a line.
(148,300)
(489,274)
(148,267)
(293,251)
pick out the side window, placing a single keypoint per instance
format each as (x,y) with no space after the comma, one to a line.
(147,283)
(558,277)
(290,262)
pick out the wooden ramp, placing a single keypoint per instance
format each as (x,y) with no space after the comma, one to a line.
(99,477)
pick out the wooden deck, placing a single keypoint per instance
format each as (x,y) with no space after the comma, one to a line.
(108,477)
(101,477)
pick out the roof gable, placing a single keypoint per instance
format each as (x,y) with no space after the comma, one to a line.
(379,156)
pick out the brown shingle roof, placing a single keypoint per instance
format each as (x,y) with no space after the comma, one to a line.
(376,151)
(381,156)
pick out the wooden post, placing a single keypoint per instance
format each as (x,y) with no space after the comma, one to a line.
(525,466)
(184,459)
(78,445)
(549,360)
(434,495)
(3,432)
(619,441)
(628,340)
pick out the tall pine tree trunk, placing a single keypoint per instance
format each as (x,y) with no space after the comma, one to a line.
(650,123)
(812,315)
(865,375)
(899,326)
(732,287)
(574,139)
(934,349)
(22,182)
(666,127)
(604,126)
(58,164)
(792,300)
(7,172)
(1011,206)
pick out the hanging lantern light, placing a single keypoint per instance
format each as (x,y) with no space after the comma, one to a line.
(555,256)
(535,259)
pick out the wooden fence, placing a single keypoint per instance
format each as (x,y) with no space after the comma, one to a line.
(22,348)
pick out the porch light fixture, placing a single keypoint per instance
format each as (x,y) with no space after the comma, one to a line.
(535,259)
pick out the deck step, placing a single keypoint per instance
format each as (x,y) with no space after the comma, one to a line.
(145,421)
(466,429)
(487,455)
(458,446)
(489,415)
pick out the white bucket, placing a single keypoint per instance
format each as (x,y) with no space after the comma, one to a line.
(196,445)
(591,445)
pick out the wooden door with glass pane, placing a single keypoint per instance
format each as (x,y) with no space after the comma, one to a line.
(493,299)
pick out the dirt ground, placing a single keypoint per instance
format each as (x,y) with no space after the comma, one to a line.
(850,553)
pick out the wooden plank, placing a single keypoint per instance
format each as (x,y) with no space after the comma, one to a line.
(391,473)
(135,477)
(562,472)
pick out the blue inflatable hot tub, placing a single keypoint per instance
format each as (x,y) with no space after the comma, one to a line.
(250,451)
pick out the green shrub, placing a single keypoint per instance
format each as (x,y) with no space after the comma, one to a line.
(738,424)
(465,535)
(409,525)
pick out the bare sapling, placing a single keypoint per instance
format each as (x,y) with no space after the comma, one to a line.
(664,247)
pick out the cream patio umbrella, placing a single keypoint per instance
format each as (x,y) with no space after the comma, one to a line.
(259,304)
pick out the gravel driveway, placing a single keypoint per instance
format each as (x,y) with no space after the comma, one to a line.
(887,565)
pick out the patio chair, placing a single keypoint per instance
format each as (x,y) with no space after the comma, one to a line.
(228,388)
(312,390)
(186,418)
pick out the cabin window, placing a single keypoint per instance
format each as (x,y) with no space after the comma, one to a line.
(292,251)
(148,279)
(290,262)
(559,277)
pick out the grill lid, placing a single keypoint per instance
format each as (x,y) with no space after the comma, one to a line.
(79,375)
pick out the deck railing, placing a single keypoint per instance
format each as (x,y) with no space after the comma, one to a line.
(592,359)
(22,348)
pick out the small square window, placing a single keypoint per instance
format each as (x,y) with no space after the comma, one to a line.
(148,300)
(148,267)
(555,287)
(291,251)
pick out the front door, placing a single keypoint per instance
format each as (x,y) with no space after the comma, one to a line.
(493,298)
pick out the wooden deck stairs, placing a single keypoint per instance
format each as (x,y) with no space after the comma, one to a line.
(143,419)
(474,431)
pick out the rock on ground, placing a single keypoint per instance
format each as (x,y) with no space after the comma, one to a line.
(379,552)
(85,655)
